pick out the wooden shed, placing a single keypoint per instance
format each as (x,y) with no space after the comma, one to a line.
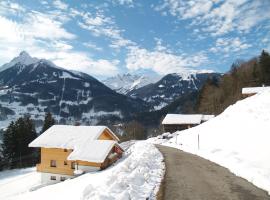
(178,122)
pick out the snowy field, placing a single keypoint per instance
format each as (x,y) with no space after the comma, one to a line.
(238,139)
(136,176)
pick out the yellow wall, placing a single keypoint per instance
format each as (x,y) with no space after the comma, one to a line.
(48,154)
(106,135)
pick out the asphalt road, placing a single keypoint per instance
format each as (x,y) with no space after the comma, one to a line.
(189,177)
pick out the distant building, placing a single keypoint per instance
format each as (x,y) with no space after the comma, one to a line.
(249,91)
(67,151)
(178,122)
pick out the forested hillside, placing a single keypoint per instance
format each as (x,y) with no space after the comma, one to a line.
(216,95)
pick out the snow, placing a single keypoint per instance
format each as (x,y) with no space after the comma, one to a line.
(182,119)
(67,75)
(124,83)
(17,181)
(24,58)
(82,139)
(237,139)
(254,90)
(136,176)
(94,151)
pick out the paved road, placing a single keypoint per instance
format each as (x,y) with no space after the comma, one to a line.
(189,177)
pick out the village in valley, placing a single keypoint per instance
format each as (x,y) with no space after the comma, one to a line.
(134,100)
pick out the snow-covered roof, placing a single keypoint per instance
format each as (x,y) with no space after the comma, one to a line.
(182,119)
(94,151)
(207,117)
(254,90)
(186,118)
(82,139)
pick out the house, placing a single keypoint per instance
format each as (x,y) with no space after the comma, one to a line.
(178,122)
(67,151)
(249,91)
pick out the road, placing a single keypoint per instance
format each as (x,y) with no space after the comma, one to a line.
(190,177)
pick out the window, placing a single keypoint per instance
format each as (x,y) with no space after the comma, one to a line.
(65,150)
(62,178)
(53,178)
(53,163)
(72,165)
(65,162)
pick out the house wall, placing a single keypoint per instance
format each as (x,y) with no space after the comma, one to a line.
(171,128)
(60,156)
(46,178)
(106,136)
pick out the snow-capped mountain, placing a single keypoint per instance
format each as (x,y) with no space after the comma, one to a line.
(171,87)
(124,83)
(34,86)
(24,58)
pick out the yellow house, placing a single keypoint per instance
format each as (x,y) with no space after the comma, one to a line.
(67,151)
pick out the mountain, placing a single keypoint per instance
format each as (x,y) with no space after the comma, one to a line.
(34,86)
(171,87)
(124,83)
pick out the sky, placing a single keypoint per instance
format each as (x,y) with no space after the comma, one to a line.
(109,37)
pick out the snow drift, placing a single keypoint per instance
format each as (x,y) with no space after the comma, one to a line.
(136,176)
(237,139)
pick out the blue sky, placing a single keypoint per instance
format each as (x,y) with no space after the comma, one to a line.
(104,38)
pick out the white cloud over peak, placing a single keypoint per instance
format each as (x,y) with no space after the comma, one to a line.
(43,35)
(163,62)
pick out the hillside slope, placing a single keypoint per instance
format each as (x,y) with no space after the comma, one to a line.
(171,87)
(237,139)
(71,96)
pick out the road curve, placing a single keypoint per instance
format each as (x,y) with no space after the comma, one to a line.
(190,177)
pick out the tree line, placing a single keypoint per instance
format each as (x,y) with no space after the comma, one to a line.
(14,152)
(217,94)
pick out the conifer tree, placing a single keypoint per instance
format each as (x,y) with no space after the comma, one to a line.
(48,122)
(16,138)
(264,61)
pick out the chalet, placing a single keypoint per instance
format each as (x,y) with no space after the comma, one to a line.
(250,91)
(178,122)
(67,151)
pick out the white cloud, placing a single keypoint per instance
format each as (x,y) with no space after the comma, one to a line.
(60,5)
(100,25)
(92,46)
(44,37)
(44,26)
(8,8)
(129,3)
(227,45)
(163,62)
(219,16)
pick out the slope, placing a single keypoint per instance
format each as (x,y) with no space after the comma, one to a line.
(237,139)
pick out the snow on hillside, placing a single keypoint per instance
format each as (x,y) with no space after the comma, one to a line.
(237,139)
(24,58)
(127,82)
(136,176)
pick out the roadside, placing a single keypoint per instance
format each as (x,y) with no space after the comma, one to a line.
(190,177)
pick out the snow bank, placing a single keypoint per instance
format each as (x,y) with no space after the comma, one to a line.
(136,176)
(17,181)
(237,139)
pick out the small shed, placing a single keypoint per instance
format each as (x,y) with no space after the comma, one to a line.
(249,91)
(178,122)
